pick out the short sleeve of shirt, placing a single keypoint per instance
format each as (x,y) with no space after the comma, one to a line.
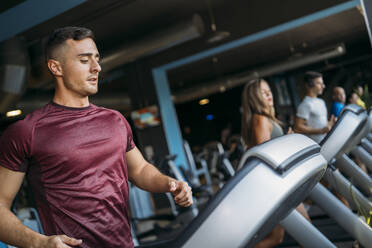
(303,110)
(336,109)
(15,146)
(130,142)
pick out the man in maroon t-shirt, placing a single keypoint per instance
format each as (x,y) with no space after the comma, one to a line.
(78,158)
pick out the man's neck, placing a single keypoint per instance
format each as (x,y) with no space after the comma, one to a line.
(311,94)
(71,101)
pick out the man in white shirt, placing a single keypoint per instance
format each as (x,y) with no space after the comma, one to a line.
(312,117)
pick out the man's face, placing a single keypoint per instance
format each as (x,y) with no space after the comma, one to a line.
(339,95)
(80,67)
(318,86)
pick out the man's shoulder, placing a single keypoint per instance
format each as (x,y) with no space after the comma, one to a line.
(312,100)
(304,108)
(31,118)
(306,101)
(107,110)
(110,112)
(338,105)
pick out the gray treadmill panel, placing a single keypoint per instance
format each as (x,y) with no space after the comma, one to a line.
(354,108)
(281,153)
(365,130)
(288,205)
(257,203)
(347,127)
(254,200)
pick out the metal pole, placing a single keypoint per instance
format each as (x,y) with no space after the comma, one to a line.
(344,187)
(358,176)
(304,232)
(367,145)
(363,155)
(369,137)
(342,215)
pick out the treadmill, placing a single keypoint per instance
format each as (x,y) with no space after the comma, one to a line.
(364,150)
(349,167)
(334,145)
(274,178)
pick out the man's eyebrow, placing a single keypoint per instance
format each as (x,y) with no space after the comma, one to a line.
(88,55)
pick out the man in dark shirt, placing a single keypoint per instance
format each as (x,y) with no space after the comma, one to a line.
(78,158)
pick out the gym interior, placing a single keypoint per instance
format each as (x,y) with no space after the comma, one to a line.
(176,70)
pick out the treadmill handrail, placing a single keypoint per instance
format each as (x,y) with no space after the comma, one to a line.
(330,145)
(294,146)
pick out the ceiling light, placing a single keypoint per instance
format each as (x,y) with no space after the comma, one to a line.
(13,113)
(204,101)
(217,35)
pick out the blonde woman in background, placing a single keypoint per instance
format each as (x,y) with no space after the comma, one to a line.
(259,125)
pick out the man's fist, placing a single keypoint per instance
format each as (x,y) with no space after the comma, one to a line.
(181,192)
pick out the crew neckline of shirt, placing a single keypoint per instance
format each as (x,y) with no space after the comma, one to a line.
(70,108)
(309,97)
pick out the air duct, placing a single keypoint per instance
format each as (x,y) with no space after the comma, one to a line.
(213,87)
(13,72)
(154,43)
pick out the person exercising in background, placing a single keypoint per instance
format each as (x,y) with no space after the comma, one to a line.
(312,117)
(353,98)
(259,125)
(339,99)
(312,114)
(78,158)
(359,91)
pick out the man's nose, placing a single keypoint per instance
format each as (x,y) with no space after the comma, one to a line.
(96,67)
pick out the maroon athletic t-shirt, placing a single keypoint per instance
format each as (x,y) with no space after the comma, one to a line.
(76,165)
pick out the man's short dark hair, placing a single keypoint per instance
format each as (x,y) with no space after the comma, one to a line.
(310,76)
(60,35)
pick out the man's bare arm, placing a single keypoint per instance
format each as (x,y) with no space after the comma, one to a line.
(300,126)
(12,231)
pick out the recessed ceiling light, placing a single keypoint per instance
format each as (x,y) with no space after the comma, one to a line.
(218,36)
(204,101)
(13,113)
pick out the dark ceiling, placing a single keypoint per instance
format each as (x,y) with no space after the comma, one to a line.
(118,22)
(347,28)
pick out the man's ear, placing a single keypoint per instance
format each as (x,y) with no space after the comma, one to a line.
(55,67)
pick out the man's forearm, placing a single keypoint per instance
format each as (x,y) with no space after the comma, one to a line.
(308,130)
(151,179)
(13,232)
